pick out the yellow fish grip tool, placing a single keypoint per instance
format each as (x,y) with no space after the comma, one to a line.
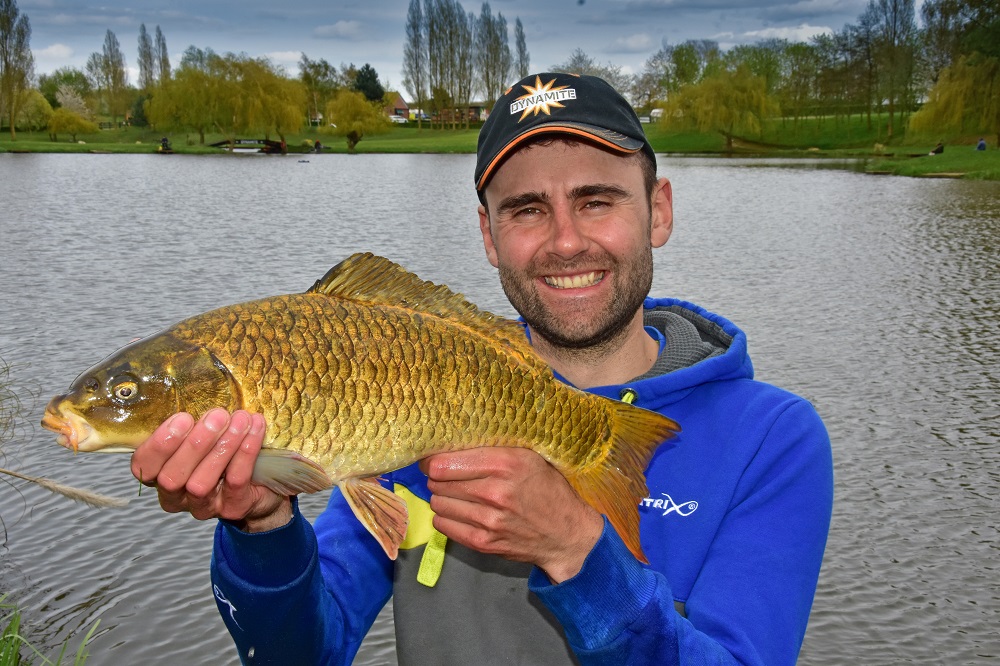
(421,532)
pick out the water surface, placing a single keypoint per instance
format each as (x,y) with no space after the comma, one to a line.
(876,298)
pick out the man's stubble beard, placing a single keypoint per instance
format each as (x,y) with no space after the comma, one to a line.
(633,281)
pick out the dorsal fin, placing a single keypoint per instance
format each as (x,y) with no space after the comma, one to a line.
(373,280)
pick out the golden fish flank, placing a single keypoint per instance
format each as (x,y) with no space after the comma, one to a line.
(370,370)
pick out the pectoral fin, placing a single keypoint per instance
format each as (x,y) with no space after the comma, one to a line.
(382,512)
(288,473)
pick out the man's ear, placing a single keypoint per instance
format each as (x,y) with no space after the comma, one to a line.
(484,228)
(662,209)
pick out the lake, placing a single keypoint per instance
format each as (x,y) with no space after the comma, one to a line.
(877,298)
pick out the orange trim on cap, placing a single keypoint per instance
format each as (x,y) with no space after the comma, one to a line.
(544,130)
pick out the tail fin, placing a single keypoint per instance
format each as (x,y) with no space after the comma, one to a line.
(617,485)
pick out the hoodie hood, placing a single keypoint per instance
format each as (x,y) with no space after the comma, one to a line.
(701,347)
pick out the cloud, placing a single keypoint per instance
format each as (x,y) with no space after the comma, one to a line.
(284,56)
(800,33)
(637,43)
(55,52)
(339,30)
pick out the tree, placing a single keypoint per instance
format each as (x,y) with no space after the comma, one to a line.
(35,112)
(895,28)
(17,64)
(523,60)
(465,71)
(50,84)
(415,58)
(354,117)
(367,83)
(161,58)
(449,48)
(67,97)
(580,63)
(230,94)
(320,81)
(109,76)
(147,62)
(965,99)
(64,121)
(731,102)
(492,54)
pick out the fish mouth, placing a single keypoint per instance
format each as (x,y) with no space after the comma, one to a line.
(578,281)
(69,428)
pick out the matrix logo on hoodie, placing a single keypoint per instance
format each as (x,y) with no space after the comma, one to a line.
(668,505)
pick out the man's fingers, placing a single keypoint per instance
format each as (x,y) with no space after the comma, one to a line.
(212,467)
(240,469)
(148,459)
(199,442)
(470,464)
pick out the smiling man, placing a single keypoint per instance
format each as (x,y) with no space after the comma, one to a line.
(503,562)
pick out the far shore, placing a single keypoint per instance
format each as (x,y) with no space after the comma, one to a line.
(910,158)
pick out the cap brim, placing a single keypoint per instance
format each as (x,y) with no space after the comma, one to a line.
(607,138)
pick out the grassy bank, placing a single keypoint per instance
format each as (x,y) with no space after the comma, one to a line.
(955,162)
(816,136)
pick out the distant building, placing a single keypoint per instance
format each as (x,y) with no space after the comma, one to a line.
(398,107)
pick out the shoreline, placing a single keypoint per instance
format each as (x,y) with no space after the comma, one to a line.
(959,161)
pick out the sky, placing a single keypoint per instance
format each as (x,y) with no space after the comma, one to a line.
(618,32)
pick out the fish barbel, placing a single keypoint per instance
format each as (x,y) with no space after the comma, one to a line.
(369,371)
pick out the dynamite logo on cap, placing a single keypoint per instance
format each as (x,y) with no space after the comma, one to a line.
(540,97)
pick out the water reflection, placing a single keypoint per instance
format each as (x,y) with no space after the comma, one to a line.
(876,298)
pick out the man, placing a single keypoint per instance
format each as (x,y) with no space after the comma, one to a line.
(502,562)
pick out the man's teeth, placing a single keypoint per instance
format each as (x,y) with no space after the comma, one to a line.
(575,281)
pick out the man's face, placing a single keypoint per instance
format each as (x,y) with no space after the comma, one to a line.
(571,229)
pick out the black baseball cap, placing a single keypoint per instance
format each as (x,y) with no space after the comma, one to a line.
(586,106)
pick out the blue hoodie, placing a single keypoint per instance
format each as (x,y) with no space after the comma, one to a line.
(734,527)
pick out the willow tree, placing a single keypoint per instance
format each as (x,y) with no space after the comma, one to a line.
(965,99)
(185,101)
(730,102)
(17,64)
(271,102)
(64,121)
(354,117)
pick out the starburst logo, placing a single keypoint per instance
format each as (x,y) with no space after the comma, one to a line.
(541,98)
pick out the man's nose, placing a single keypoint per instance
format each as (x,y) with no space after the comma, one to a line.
(567,235)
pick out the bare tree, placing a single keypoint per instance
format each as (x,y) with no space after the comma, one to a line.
(107,71)
(415,57)
(161,57)
(17,64)
(147,63)
(896,31)
(465,71)
(523,62)
(581,63)
(492,55)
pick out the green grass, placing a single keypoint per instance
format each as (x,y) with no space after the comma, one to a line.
(972,164)
(818,136)
(12,643)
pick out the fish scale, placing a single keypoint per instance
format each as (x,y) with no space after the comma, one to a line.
(370,370)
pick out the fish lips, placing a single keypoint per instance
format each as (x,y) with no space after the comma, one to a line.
(73,431)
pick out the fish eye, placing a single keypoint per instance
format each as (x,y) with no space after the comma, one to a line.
(126,390)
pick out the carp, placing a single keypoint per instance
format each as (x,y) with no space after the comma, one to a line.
(368,371)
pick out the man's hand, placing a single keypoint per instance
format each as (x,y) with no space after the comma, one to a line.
(205,468)
(511,502)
